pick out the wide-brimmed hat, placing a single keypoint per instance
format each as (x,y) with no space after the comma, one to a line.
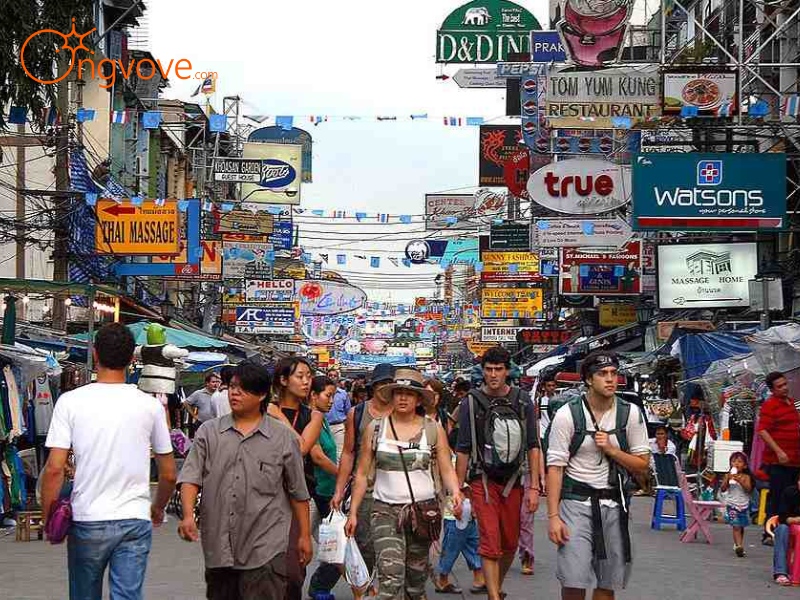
(406,379)
(382,373)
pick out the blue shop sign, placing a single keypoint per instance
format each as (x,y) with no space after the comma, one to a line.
(706,192)
(546,47)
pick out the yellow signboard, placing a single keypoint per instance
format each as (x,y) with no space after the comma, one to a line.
(478,348)
(511,303)
(617,315)
(497,266)
(147,229)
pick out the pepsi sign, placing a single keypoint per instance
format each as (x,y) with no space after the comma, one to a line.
(546,47)
(276,174)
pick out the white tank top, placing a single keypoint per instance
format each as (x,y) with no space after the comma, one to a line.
(391,486)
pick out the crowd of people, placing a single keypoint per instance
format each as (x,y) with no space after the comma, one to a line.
(424,472)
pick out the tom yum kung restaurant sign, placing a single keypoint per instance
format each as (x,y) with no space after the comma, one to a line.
(596,99)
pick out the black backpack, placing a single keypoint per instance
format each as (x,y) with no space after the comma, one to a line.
(500,453)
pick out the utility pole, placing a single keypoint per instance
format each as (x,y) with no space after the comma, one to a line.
(20,262)
(61,201)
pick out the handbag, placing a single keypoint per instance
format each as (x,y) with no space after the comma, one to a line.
(425,517)
(59,521)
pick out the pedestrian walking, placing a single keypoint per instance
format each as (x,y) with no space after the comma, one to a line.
(779,427)
(250,470)
(337,415)
(595,442)
(111,427)
(359,422)
(322,392)
(200,405)
(220,404)
(408,452)
(291,388)
(737,486)
(497,438)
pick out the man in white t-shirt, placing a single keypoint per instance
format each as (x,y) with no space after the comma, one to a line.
(595,441)
(220,403)
(111,427)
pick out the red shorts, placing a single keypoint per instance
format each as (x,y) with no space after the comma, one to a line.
(498,521)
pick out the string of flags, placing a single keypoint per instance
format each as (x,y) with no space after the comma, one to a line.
(287,121)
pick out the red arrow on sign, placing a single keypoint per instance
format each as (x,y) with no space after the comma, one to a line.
(118,209)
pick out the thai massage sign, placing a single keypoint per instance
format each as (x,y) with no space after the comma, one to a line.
(484,31)
(581,186)
(602,99)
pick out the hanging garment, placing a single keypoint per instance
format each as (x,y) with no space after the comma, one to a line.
(5,408)
(19,492)
(30,423)
(43,404)
(14,403)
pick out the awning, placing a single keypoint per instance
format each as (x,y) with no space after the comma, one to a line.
(182,339)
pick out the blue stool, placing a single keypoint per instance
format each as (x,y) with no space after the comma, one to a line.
(659,518)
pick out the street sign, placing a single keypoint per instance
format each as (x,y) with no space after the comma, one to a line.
(592,233)
(148,229)
(237,170)
(478,78)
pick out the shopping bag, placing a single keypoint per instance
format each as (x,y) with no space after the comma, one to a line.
(332,538)
(355,569)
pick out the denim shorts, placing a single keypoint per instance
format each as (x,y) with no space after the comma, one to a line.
(737,517)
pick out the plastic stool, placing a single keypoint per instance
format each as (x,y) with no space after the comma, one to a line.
(659,518)
(762,506)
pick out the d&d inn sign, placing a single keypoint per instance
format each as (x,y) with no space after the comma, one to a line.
(484,31)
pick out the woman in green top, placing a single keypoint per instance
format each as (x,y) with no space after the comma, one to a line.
(321,399)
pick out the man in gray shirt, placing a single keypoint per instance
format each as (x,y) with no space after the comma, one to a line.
(200,403)
(250,469)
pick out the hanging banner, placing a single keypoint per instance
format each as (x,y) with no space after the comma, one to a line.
(711,191)
(510,236)
(295,136)
(497,266)
(581,186)
(597,99)
(273,290)
(323,297)
(277,318)
(497,144)
(708,92)
(706,275)
(484,31)
(280,180)
(597,274)
(511,303)
(246,259)
(616,314)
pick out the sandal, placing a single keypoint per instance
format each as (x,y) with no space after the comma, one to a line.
(478,589)
(783,580)
(450,588)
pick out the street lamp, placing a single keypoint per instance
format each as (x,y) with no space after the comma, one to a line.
(644,313)
(167,309)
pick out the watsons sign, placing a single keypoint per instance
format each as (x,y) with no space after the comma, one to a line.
(484,31)
(706,276)
(709,191)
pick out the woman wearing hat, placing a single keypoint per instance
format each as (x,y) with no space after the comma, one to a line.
(406,451)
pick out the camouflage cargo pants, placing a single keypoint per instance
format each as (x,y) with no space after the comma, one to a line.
(401,558)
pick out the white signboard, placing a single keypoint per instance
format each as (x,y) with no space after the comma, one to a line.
(478,78)
(274,290)
(706,275)
(450,211)
(581,186)
(592,99)
(499,334)
(562,233)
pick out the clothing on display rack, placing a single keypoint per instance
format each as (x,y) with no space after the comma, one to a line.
(43,404)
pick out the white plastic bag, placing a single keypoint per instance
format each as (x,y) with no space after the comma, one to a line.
(332,539)
(355,569)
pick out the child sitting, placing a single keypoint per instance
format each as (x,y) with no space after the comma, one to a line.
(737,486)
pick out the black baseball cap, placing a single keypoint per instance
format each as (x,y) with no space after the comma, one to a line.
(382,373)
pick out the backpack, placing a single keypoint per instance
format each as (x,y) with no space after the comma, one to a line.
(503,450)
(358,418)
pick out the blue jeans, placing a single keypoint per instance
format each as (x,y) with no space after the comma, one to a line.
(123,546)
(459,541)
(779,566)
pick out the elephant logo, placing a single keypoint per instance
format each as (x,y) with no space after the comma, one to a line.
(478,16)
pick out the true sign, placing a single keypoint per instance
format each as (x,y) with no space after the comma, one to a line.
(581,187)
(148,229)
(237,170)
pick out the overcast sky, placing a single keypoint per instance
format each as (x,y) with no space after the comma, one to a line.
(351,57)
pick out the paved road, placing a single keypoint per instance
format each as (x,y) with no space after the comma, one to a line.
(664,568)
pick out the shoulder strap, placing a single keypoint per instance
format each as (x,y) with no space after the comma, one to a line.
(358,418)
(480,398)
(474,453)
(623,414)
(402,461)
(579,424)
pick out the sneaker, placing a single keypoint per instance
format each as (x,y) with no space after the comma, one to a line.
(739,551)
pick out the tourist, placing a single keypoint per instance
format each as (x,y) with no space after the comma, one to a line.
(547,394)
(737,485)
(291,386)
(779,427)
(435,409)
(199,404)
(250,470)
(788,515)
(494,473)
(595,441)
(220,405)
(111,427)
(407,451)
(337,415)
(322,392)
(359,422)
